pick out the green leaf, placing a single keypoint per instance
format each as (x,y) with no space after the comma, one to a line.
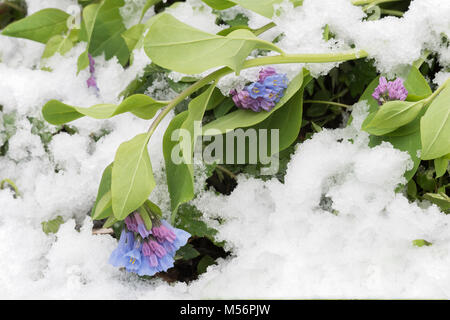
(40,26)
(153,209)
(439,199)
(168,37)
(133,35)
(190,219)
(219,4)
(393,115)
(435,127)
(441,165)
(187,252)
(421,243)
(132,176)
(110,222)
(141,105)
(263,7)
(246,118)
(145,217)
(416,85)
(204,263)
(180,177)
(52,226)
(102,28)
(82,62)
(103,203)
(223,108)
(58,44)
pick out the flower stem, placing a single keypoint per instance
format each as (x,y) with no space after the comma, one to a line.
(279,59)
(328,102)
(264,28)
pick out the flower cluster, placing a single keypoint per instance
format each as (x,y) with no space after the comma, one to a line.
(262,94)
(389,90)
(144,251)
(91,82)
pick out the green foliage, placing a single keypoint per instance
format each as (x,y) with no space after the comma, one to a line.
(187,252)
(132,176)
(439,199)
(435,127)
(189,218)
(102,29)
(441,165)
(58,44)
(204,263)
(40,26)
(421,243)
(167,37)
(103,204)
(393,115)
(52,226)
(141,105)
(180,177)
(219,4)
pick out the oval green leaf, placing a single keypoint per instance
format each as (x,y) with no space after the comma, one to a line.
(132,176)
(141,105)
(103,204)
(393,115)
(435,127)
(40,26)
(168,37)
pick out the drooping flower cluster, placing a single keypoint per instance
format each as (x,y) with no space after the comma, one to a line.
(263,94)
(389,90)
(144,251)
(91,82)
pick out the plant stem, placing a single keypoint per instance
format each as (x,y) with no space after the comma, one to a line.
(397,13)
(279,59)
(183,95)
(442,87)
(264,28)
(225,170)
(328,102)
(14,6)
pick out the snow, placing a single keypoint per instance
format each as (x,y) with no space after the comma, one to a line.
(335,229)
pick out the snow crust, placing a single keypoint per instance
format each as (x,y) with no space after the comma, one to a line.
(335,229)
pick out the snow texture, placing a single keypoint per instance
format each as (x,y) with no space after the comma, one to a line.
(335,229)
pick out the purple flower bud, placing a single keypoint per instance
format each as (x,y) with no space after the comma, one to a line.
(266,72)
(389,90)
(131,223)
(163,234)
(92,83)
